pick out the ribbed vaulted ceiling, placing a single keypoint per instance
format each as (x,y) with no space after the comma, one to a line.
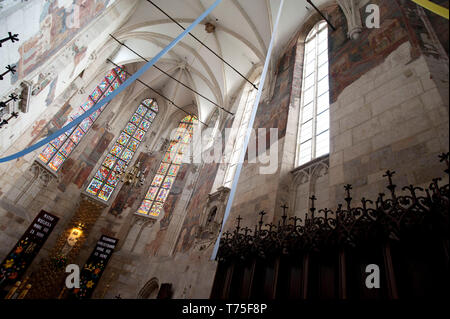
(242,34)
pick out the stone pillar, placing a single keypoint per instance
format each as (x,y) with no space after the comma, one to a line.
(49,279)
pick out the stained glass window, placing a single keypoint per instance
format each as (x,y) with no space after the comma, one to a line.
(58,150)
(120,155)
(314,137)
(168,169)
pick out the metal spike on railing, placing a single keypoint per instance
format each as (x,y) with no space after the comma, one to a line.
(5,122)
(348,199)
(9,68)
(238,226)
(295,219)
(12,97)
(380,200)
(246,230)
(313,198)
(261,213)
(364,202)
(11,37)
(412,190)
(391,185)
(347,227)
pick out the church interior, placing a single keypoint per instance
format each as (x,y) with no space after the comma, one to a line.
(229,149)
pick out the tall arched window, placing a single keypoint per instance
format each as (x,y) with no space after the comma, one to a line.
(120,155)
(314,134)
(168,169)
(58,150)
(248,103)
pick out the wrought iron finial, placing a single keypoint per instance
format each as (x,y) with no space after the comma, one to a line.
(227,234)
(246,230)
(5,122)
(412,189)
(9,68)
(11,37)
(364,202)
(389,173)
(347,188)
(295,219)
(381,219)
(391,185)
(348,199)
(239,218)
(12,97)
(313,198)
(284,213)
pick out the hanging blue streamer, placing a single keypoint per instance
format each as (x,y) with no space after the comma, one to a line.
(107,99)
(247,135)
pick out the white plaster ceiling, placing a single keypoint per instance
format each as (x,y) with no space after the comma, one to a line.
(242,36)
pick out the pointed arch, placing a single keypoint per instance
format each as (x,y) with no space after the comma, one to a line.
(115,163)
(168,169)
(313,138)
(58,150)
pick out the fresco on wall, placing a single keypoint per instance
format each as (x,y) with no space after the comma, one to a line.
(169,206)
(78,170)
(175,194)
(51,92)
(350,59)
(415,23)
(44,128)
(127,195)
(54,33)
(274,114)
(196,205)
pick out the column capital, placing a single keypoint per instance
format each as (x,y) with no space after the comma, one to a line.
(353,16)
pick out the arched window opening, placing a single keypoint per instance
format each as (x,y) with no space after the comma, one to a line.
(150,290)
(314,136)
(58,150)
(168,169)
(120,155)
(248,103)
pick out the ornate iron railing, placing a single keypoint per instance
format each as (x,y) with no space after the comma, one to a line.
(416,210)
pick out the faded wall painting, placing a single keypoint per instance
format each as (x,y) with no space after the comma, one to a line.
(55,31)
(350,59)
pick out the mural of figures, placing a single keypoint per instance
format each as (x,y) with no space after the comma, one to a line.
(59,22)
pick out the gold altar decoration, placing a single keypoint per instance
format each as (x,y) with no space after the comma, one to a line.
(49,279)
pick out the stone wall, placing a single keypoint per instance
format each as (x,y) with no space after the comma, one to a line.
(393,114)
